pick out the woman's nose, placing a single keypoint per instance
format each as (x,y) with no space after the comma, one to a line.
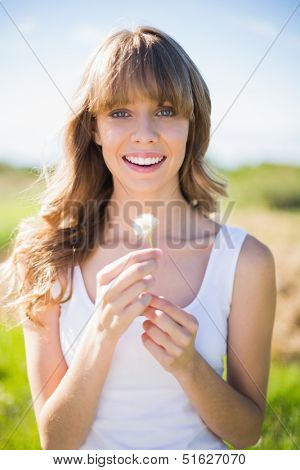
(144,131)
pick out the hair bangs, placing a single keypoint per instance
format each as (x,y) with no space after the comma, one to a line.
(148,71)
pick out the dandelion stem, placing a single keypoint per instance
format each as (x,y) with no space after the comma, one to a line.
(150,239)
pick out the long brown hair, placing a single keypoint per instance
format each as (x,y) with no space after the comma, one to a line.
(146,60)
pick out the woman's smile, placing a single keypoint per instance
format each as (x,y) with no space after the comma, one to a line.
(150,139)
(144,162)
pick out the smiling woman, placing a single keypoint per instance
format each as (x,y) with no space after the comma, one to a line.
(149,138)
(138,133)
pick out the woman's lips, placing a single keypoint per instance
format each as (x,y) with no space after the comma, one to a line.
(145,168)
(145,154)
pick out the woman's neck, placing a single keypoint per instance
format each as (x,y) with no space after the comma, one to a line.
(176,219)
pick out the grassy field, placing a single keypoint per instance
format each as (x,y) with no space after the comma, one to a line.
(276,224)
(18,428)
(19,191)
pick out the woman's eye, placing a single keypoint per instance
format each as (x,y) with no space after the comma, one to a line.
(119,113)
(167,112)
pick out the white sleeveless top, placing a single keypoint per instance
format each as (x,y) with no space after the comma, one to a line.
(142,406)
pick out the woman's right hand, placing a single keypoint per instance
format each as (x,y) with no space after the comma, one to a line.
(119,285)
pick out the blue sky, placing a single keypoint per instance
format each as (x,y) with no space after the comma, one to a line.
(225,39)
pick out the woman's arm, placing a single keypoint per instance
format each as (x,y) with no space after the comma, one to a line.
(234,410)
(65,399)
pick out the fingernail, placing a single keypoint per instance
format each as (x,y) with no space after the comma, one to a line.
(146,299)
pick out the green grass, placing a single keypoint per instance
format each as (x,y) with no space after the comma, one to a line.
(11,213)
(281,428)
(18,193)
(18,429)
(267,186)
(282,424)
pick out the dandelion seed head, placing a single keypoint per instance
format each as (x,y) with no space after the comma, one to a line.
(145,224)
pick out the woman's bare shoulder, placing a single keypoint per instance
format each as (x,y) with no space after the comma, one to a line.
(255,267)
(255,253)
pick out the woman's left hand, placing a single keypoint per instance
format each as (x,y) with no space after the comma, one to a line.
(170,335)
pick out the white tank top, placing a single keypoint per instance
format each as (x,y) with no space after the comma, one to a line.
(143,406)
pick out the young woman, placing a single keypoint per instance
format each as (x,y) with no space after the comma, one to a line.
(125,343)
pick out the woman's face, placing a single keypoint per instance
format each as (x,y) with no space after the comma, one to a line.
(139,130)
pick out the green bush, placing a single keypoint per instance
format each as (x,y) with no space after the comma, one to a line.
(267,185)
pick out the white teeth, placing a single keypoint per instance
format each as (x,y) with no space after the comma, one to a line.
(144,161)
